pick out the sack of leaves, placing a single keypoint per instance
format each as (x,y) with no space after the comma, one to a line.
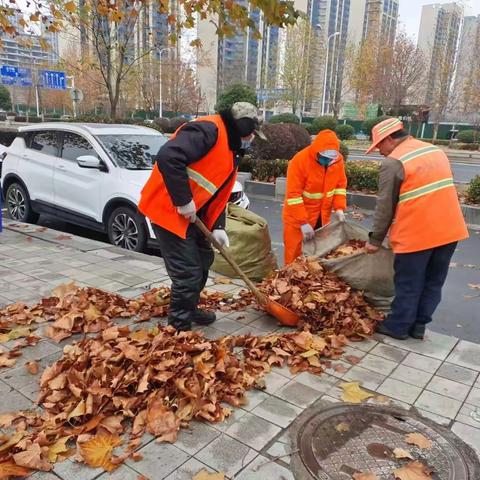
(372,274)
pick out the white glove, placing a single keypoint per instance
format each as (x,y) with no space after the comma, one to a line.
(308,232)
(340,215)
(221,237)
(189,211)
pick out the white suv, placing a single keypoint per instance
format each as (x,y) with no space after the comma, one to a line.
(86,174)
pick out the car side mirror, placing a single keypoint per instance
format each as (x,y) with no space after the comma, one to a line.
(89,161)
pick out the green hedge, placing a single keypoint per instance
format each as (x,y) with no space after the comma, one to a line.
(473,192)
(467,146)
(468,136)
(344,132)
(326,122)
(284,118)
(367,125)
(438,141)
(269,170)
(363,175)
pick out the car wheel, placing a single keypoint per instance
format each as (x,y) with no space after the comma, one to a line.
(126,229)
(17,202)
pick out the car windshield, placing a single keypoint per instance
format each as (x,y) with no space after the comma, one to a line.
(133,151)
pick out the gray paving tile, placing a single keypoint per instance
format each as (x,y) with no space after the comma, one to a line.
(377,364)
(322,382)
(466,354)
(411,375)
(469,415)
(338,368)
(474,397)
(14,401)
(253,431)
(227,455)
(121,473)
(262,468)
(43,476)
(197,436)
(399,390)
(234,416)
(298,394)
(435,403)
(457,374)
(274,382)
(254,398)
(421,362)
(365,345)
(188,470)
(228,326)
(435,345)
(390,353)
(444,421)
(159,460)
(468,434)
(277,411)
(448,388)
(69,470)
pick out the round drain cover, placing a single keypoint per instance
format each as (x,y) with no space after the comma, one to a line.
(337,442)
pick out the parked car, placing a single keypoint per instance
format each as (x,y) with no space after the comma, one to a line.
(65,117)
(85,174)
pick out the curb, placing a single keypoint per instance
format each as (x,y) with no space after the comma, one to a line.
(362,200)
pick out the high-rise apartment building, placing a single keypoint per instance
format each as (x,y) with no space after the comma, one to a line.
(468,60)
(438,39)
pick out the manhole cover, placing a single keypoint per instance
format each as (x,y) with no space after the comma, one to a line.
(337,442)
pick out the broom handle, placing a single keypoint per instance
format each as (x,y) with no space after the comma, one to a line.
(209,236)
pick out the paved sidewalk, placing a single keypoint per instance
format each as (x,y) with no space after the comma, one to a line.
(439,377)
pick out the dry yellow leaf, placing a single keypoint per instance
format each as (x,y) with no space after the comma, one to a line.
(78,411)
(14,334)
(352,393)
(9,469)
(364,476)
(401,453)
(70,7)
(309,353)
(413,471)
(98,451)
(204,475)
(419,440)
(342,427)
(32,367)
(60,446)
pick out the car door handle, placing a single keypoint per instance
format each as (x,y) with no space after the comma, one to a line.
(61,167)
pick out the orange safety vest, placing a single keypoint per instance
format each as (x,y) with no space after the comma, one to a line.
(206,176)
(314,191)
(428,212)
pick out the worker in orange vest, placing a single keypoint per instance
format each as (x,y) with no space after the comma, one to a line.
(316,186)
(418,203)
(194,175)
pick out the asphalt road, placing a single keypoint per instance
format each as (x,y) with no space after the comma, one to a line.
(458,315)
(462,172)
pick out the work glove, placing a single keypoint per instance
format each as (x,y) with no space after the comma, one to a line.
(340,215)
(308,232)
(221,237)
(189,211)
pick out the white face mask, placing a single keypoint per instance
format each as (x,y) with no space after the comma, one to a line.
(247,142)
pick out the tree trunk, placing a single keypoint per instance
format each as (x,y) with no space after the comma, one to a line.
(436,126)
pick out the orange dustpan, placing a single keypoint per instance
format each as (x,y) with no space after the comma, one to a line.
(281,313)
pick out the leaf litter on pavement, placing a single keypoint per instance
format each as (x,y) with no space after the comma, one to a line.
(106,392)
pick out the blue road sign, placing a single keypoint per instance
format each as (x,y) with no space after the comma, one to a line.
(16,76)
(52,79)
(264,94)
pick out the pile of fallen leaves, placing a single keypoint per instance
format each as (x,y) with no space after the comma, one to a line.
(345,250)
(136,382)
(324,303)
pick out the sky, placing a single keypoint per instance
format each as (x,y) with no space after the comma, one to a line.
(411,11)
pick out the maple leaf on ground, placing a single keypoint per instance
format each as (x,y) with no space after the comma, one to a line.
(401,453)
(342,427)
(204,475)
(419,440)
(9,469)
(60,446)
(32,458)
(5,361)
(352,393)
(32,367)
(97,452)
(353,359)
(162,422)
(413,471)
(365,476)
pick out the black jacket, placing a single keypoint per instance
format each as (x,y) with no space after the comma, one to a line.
(193,142)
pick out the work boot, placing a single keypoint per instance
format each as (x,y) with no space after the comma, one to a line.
(418,331)
(180,325)
(201,317)
(386,331)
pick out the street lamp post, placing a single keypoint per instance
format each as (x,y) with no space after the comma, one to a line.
(160,109)
(307,69)
(326,71)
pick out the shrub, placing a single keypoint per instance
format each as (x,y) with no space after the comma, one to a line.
(176,123)
(236,93)
(326,122)
(269,170)
(246,164)
(284,118)
(363,175)
(310,128)
(473,192)
(284,141)
(344,132)
(468,136)
(168,125)
(467,146)
(344,150)
(367,125)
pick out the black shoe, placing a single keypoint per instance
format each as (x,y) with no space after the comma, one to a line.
(180,325)
(418,331)
(385,331)
(201,317)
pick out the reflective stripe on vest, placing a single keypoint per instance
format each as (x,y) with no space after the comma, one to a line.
(394,123)
(319,196)
(295,201)
(427,189)
(201,181)
(418,153)
(340,191)
(313,196)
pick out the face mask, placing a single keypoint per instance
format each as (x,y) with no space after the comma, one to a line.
(247,142)
(323,161)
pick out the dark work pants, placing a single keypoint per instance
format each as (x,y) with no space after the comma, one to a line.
(187,262)
(419,278)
